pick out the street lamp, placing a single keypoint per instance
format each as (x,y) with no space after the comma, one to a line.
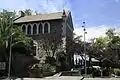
(85,47)
(10,51)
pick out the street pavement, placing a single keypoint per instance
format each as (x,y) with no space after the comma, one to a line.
(66,78)
(101,79)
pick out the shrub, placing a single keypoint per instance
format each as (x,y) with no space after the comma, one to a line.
(61,64)
(96,73)
(48,68)
(50,60)
(117,72)
(106,72)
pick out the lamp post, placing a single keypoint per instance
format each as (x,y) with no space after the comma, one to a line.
(10,51)
(85,47)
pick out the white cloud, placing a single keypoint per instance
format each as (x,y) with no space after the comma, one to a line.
(39,5)
(13,4)
(51,5)
(94,32)
(117,0)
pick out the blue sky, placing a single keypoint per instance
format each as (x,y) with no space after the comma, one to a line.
(99,15)
(97,12)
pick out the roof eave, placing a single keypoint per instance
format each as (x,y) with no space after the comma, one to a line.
(36,20)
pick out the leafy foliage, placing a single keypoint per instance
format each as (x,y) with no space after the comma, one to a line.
(51,43)
(20,42)
(75,45)
(6,25)
(50,60)
(107,48)
(28,12)
(19,36)
(61,62)
(116,71)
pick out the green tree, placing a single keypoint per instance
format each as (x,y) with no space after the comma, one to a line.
(107,48)
(114,44)
(28,12)
(6,24)
(75,45)
(20,42)
(51,43)
(61,64)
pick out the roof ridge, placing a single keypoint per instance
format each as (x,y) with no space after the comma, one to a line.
(46,16)
(43,14)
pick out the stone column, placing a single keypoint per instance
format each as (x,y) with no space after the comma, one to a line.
(42,28)
(26,26)
(37,28)
(31,29)
(48,28)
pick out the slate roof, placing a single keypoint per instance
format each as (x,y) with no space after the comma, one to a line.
(41,17)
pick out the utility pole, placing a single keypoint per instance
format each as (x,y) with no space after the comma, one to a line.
(85,47)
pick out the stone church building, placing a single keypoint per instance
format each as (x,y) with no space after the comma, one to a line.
(35,26)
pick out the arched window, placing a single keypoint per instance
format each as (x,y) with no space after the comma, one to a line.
(29,29)
(34,29)
(46,28)
(40,28)
(24,28)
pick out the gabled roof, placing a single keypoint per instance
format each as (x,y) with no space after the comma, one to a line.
(41,17)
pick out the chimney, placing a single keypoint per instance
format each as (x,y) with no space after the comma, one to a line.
(64,13)
(22,14)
